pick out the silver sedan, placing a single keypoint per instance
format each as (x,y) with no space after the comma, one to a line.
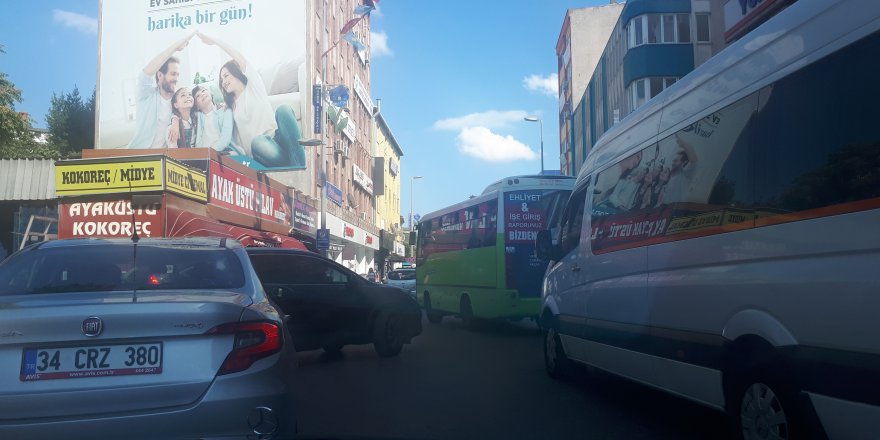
(157,338)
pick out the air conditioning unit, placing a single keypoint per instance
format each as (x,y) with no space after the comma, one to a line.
(338,147)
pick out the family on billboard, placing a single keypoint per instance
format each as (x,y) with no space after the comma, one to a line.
(240,122)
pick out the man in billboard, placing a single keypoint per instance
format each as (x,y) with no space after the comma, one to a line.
(156,84)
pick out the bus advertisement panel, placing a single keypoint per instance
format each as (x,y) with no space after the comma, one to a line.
(525,213)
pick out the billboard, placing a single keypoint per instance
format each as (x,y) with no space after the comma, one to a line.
(230,75)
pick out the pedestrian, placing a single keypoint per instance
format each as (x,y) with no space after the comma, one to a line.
(371,275)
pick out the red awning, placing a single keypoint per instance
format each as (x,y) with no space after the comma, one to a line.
(182,223)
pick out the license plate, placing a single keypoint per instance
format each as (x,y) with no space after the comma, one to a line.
(40,363)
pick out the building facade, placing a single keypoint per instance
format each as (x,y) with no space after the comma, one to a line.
(388,155)
(653,44)
(578,49)
(347,160)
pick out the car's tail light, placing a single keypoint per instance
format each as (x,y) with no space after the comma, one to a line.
(253,341)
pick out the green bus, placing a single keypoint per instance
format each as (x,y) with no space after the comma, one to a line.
(477,259)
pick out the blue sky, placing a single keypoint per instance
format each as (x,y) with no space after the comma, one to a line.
(455,79)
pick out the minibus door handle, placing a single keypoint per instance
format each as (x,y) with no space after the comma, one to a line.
(575,268)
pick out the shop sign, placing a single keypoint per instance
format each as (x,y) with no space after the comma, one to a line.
(350,130)
(303,216)
(237,192)
(362,93)
(107,219)
(362,179)
(369,239)
(334,193)
(76,177)
(186,181)
(348,231)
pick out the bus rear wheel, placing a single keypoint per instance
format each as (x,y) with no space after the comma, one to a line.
(433,316)
(466,311)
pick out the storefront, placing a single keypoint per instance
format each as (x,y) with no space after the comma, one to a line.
(121,193)
(352,246)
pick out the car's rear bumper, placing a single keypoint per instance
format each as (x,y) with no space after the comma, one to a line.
(222,412)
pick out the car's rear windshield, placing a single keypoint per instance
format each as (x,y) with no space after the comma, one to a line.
(113,267)
(402,275)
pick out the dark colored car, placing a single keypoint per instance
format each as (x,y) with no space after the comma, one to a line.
(329,306)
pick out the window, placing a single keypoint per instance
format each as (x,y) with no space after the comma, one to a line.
(703,28)
(653,28)
(641,90)
(684,28)
(669,28)
(467,228)
(111,267)
(636,31)
(818,143)
(659,28)
(572,221)
(698,181)
(275,269)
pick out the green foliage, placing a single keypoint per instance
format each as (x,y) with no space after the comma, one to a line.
(15,126)
(71,122)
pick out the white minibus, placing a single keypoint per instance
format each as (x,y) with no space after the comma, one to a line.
(722,243)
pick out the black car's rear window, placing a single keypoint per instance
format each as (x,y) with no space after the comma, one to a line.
(112,267)
(402,275)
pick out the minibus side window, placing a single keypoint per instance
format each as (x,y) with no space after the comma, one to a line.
(572,221)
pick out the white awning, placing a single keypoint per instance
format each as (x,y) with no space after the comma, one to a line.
(24,179)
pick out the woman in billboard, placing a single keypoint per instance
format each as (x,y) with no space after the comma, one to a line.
(269,137)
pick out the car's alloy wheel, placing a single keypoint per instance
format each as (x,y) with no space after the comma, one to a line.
(386,336)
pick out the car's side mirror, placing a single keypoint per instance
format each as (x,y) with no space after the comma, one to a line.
(544,246)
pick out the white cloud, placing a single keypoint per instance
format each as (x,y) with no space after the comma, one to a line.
(379,42)
(80,22)
(482,143)
(490,119)
(548,85)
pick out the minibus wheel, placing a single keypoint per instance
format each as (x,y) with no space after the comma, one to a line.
(433,316)
(765,405)
(556,362)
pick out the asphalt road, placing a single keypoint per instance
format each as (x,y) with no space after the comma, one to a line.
(486,383)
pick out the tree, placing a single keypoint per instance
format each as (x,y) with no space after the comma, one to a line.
(72,122)
(16,132)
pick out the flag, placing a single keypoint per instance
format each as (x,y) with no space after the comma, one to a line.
(350,25)
(353,39)
(371,3)
(362,10)
(339,96)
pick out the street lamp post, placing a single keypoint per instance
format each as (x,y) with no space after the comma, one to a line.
(541,123)
(322,176)
(411,180)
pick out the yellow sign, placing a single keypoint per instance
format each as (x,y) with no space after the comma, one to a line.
(186,181)
(72,178)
